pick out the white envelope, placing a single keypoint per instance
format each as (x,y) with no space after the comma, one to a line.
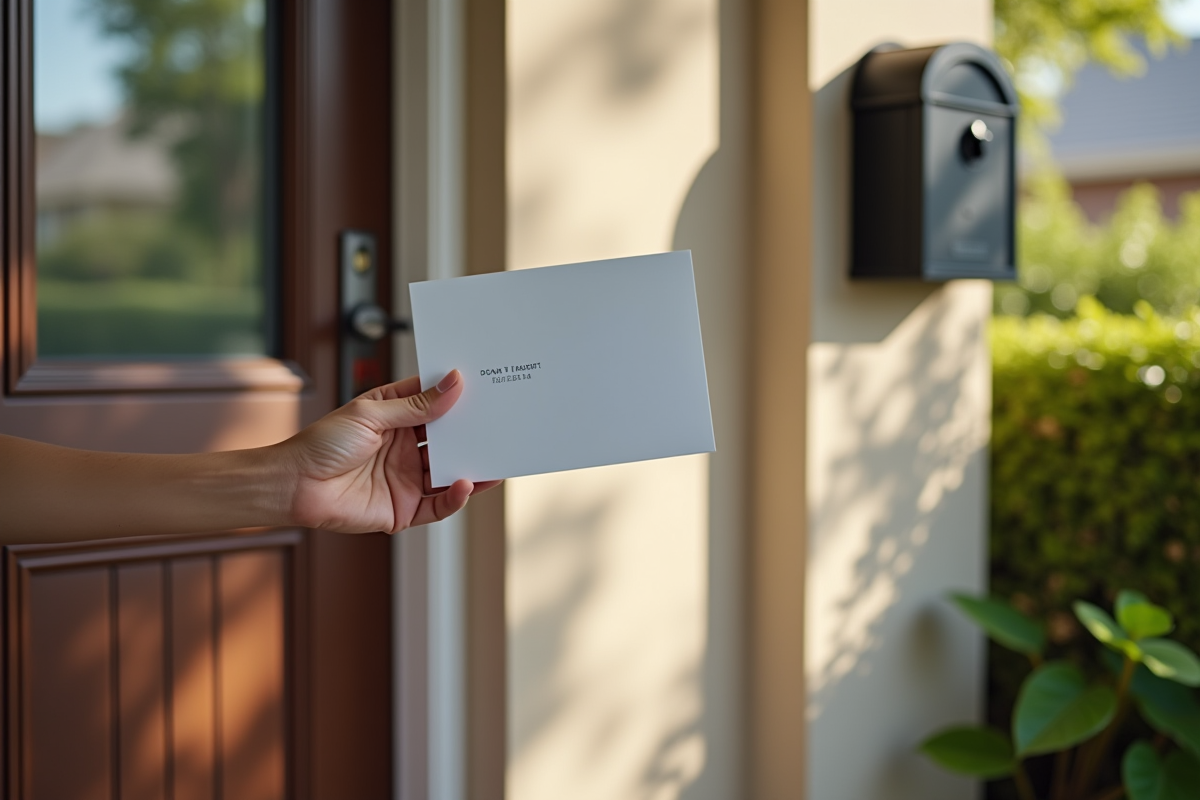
(564,367)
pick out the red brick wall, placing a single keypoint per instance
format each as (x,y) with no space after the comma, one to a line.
(1099,199)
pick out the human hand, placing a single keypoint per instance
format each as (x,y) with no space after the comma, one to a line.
(360,469)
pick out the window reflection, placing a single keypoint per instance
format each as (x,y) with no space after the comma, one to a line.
(149,165)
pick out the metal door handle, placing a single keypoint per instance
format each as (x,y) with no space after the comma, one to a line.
(371,323)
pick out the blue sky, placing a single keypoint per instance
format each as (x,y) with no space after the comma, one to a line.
(1185,14)
(73,65)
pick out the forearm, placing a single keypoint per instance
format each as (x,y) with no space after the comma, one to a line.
(52,493)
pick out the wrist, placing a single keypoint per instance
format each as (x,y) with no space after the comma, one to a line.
(274,474)
(253,487)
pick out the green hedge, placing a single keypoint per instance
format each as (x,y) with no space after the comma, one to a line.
(1137,254)
(138,318)
(1096,459)
(1095,469)
(1095,481)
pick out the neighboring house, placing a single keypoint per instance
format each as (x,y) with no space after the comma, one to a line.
(99,168)
(1120,130)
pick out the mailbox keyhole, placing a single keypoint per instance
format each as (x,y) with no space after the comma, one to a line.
(973,145)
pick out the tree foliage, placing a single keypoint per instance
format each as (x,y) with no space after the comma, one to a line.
(194,73)
(1045,42)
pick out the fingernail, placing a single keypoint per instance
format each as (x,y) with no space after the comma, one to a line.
(447,383)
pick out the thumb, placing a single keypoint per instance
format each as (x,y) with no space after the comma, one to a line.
(417,409)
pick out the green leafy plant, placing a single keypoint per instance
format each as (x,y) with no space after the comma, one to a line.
(1061,712)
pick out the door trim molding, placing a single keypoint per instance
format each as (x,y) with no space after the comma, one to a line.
(429,711)
(450,189)
(70,377)
(486,548)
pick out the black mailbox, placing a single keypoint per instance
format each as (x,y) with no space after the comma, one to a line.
(934,164)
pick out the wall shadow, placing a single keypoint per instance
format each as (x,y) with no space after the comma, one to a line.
(896,525)
(635,41)
(568,536)
(847,311)
(898,498)
(714,222)
(620,55)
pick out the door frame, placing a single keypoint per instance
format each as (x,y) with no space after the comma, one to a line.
(450,204)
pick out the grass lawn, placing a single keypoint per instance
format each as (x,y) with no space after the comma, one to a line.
(132,318)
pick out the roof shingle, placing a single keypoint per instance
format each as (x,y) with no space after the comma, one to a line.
(1129,127)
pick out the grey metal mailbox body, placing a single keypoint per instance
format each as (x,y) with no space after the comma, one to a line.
(934,164)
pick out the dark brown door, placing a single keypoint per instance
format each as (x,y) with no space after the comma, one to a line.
(170,284)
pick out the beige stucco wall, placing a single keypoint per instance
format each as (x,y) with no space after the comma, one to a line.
(626,135)
(899,398)
(630,131)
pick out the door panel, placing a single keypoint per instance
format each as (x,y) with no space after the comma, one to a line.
(193,721)
(143,680)
(68,649)
(250,673)
(156,664)
(236,665)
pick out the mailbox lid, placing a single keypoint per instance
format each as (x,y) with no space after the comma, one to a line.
(959,75)
(965,75)
(889,76)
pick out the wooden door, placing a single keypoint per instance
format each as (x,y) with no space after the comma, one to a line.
(232,665)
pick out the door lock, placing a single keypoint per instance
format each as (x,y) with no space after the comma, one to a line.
(364,322)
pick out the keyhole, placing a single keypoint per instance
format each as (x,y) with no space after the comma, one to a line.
(362,260)
(973,144)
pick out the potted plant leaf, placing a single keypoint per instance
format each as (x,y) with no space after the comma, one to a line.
(1061,713)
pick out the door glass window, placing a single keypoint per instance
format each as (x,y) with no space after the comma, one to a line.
(150,165)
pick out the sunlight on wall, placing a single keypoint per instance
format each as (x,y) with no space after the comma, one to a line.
(842,30)
(612,114)
(899,399)
(613,110)
(606,603)
(897,508)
